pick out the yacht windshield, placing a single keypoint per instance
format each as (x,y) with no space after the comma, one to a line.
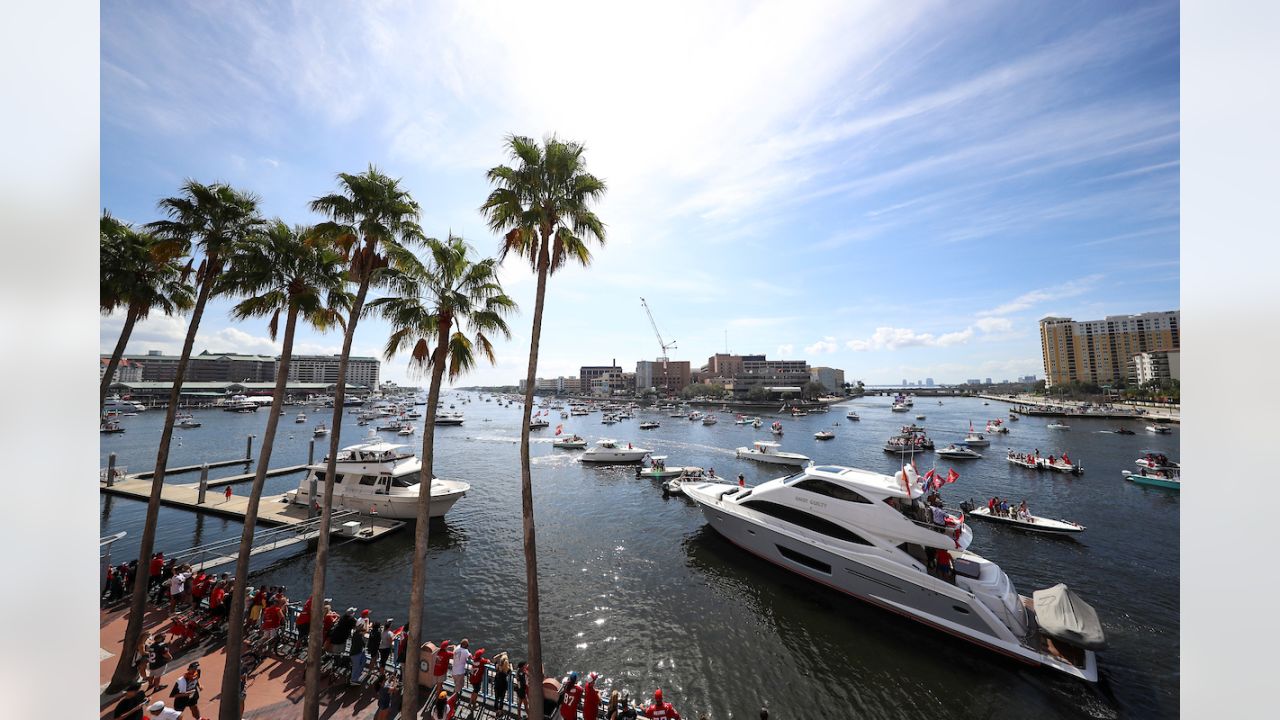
(408,480)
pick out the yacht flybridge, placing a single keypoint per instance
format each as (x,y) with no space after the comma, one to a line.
(870,536)
(382,477)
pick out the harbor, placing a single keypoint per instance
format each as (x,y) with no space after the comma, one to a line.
(639,588)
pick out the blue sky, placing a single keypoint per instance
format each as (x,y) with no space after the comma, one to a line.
(900,190)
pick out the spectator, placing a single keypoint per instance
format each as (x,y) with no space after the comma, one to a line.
(660,709)
(130,706)
(384,645)
(341,631)
(158,658)
(501,684)
(570,697)
(154,571)
(175,590)
(330,621)
(459,670)
(272,620)
(187,691)
(158,711)
(359,639)
(303,623)
(478,663)
(591,699)
(522,688)
(387,698)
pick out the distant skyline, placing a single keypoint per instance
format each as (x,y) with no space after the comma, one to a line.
(896,190)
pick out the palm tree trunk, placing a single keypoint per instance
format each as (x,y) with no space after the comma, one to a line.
(125,672)
(129,319)
(526,494)
(230,707)
(315,643)
(422,533)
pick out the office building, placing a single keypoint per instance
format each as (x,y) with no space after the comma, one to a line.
(1100,351)
(830,378)
(126,371)
(667,378)
(324,369)
(205,367)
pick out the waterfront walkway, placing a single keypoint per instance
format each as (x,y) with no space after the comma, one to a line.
(1072,408)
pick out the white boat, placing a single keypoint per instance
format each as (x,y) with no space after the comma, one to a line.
(608,451)
(188,422)
(767,452)
(448,418)
(111,427)
(996,427)
(1168,479)
(742,420)
(1028,522)
(569,442)
(380,477)
(709,420)
(864,534)
(320,430)
(1159,429)
(240,404)
(695,415)
(823,435)
(956,452)
(300,418)
(851,415)
(910,439)
(974,439)
(1156,461)
(115,405)
(756,423)
(649,424)
(920,417)
(776,428)
(406,430)
(1058,426)
(691,475)
(899,407)
(538,423)
(1037,462)
(660,470)
(797,412)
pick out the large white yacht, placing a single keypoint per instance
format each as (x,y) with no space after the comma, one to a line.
(870,536)
(608,451)
(767,452)
(450,418)
(115,404)
(380,476)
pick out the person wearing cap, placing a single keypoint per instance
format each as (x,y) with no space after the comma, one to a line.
(359,640)
(440,667)
(158,711)
(591,698)
(570,697)
(626,711)
(660,709)
(445,706)
(522,688)
(461,656)
(363,621)
(303,623)
(187,691)
(131,705)
(478,663)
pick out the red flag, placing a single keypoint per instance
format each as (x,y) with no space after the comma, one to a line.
(559,428)
(905,484)
(952,476)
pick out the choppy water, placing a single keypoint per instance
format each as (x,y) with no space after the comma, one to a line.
(638,588)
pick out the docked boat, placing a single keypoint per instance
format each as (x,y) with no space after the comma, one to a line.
(450,418)
(320,431)
(767,452)
(570,442)
(1167,479)
(1026,523)
(380,477)
(709,420)
(115,405)
(851,415)
(1031,461)
(649,424)
(240,404)
(1159,429)
(797,412)
(608,451)
(1058,426)
(868,535)
(823,435)
(956,452)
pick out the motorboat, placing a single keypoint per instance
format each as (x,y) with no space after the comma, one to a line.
(1013,416)
(116,405)
(110,427)
(742,420)
(1032,461)
(709,420)
(569,442)
(911,439)
(538,423)
(649,424)
(187,421)
(695,415)
(389,424)
(377,477)
(675,414)
(1167,479)
(1058,426)
(406,430)
(851,415)
(767,452)
(996,427)
(1122,431)
(608,419)
(920,417)
(776,428)
(757,423)
(449,418)
(300,418)
(956,452)
(797,412)
(823,435)
(870,536)
(691,475)
(320,431)
(1156,461)
(1026,523)
(240,404)
(608,451)
(1159,429)
(974,439)
(658,469)
(899,407)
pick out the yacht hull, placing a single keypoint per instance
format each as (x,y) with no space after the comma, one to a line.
(394,507)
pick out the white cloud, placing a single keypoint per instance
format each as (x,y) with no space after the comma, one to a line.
(1036,297)
(994,324)
(786,351)
(891,338)
(825,345)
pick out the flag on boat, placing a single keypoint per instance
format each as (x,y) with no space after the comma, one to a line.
(559,428)
(952,476)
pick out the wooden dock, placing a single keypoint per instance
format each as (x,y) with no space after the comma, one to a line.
(233,479)
(272,510)
(193,468)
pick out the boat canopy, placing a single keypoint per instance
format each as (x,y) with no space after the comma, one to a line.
(1063,615)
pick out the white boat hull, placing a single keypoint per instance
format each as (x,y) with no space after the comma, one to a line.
(791,459)
(620,455)
(444,494)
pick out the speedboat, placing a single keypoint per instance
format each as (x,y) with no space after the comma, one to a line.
(868,535)
(111,427)
(1159,429)
(797,412)
(851,415)
(823,435)
(756,423)
(1122,431)
(1058,426)
(1027,523)
(649,424)
(320,430)
(996,427)
(691,475)
(116,405)
(741,420)
(776,428)
(767,452)
(1013,415)
(188,422)
(1168,479)
(974,439)
(920,417)
(608,451)
(695,415)
(958,453)
(448,418)
(1035,462)
(570,442)
(406,430)
(377,477)
(538,423)
(1157,461)
(301,418)
(911,439)
(898,407)
(709,420)
(660,470)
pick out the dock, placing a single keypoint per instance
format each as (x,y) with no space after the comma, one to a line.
(272,510)
(245,477)
(147,475)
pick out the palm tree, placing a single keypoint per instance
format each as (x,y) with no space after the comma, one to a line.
(213,218)
(455,304)
(282,271)
(542,208)
(372,222)
(139,273)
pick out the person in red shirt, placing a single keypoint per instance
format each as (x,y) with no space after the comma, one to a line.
(660,709)
(217,604)
(272,619)
(330,619)
(303,622)
(154,571)
(591,698)
(441,667)
(199,588)
(570,697)
(478,663)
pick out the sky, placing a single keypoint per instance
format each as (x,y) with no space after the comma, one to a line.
(899,190)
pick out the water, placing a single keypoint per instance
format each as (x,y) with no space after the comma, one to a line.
(638,588)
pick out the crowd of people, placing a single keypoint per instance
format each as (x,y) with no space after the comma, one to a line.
(359,650)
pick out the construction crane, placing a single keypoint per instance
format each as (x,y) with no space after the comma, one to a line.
(665,346)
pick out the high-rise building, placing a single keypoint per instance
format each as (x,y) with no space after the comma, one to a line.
(830,378)
(1157,365)
(722,365)
(324,368)
(1099,351)
(601,379)
(928,382)
(668,378)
